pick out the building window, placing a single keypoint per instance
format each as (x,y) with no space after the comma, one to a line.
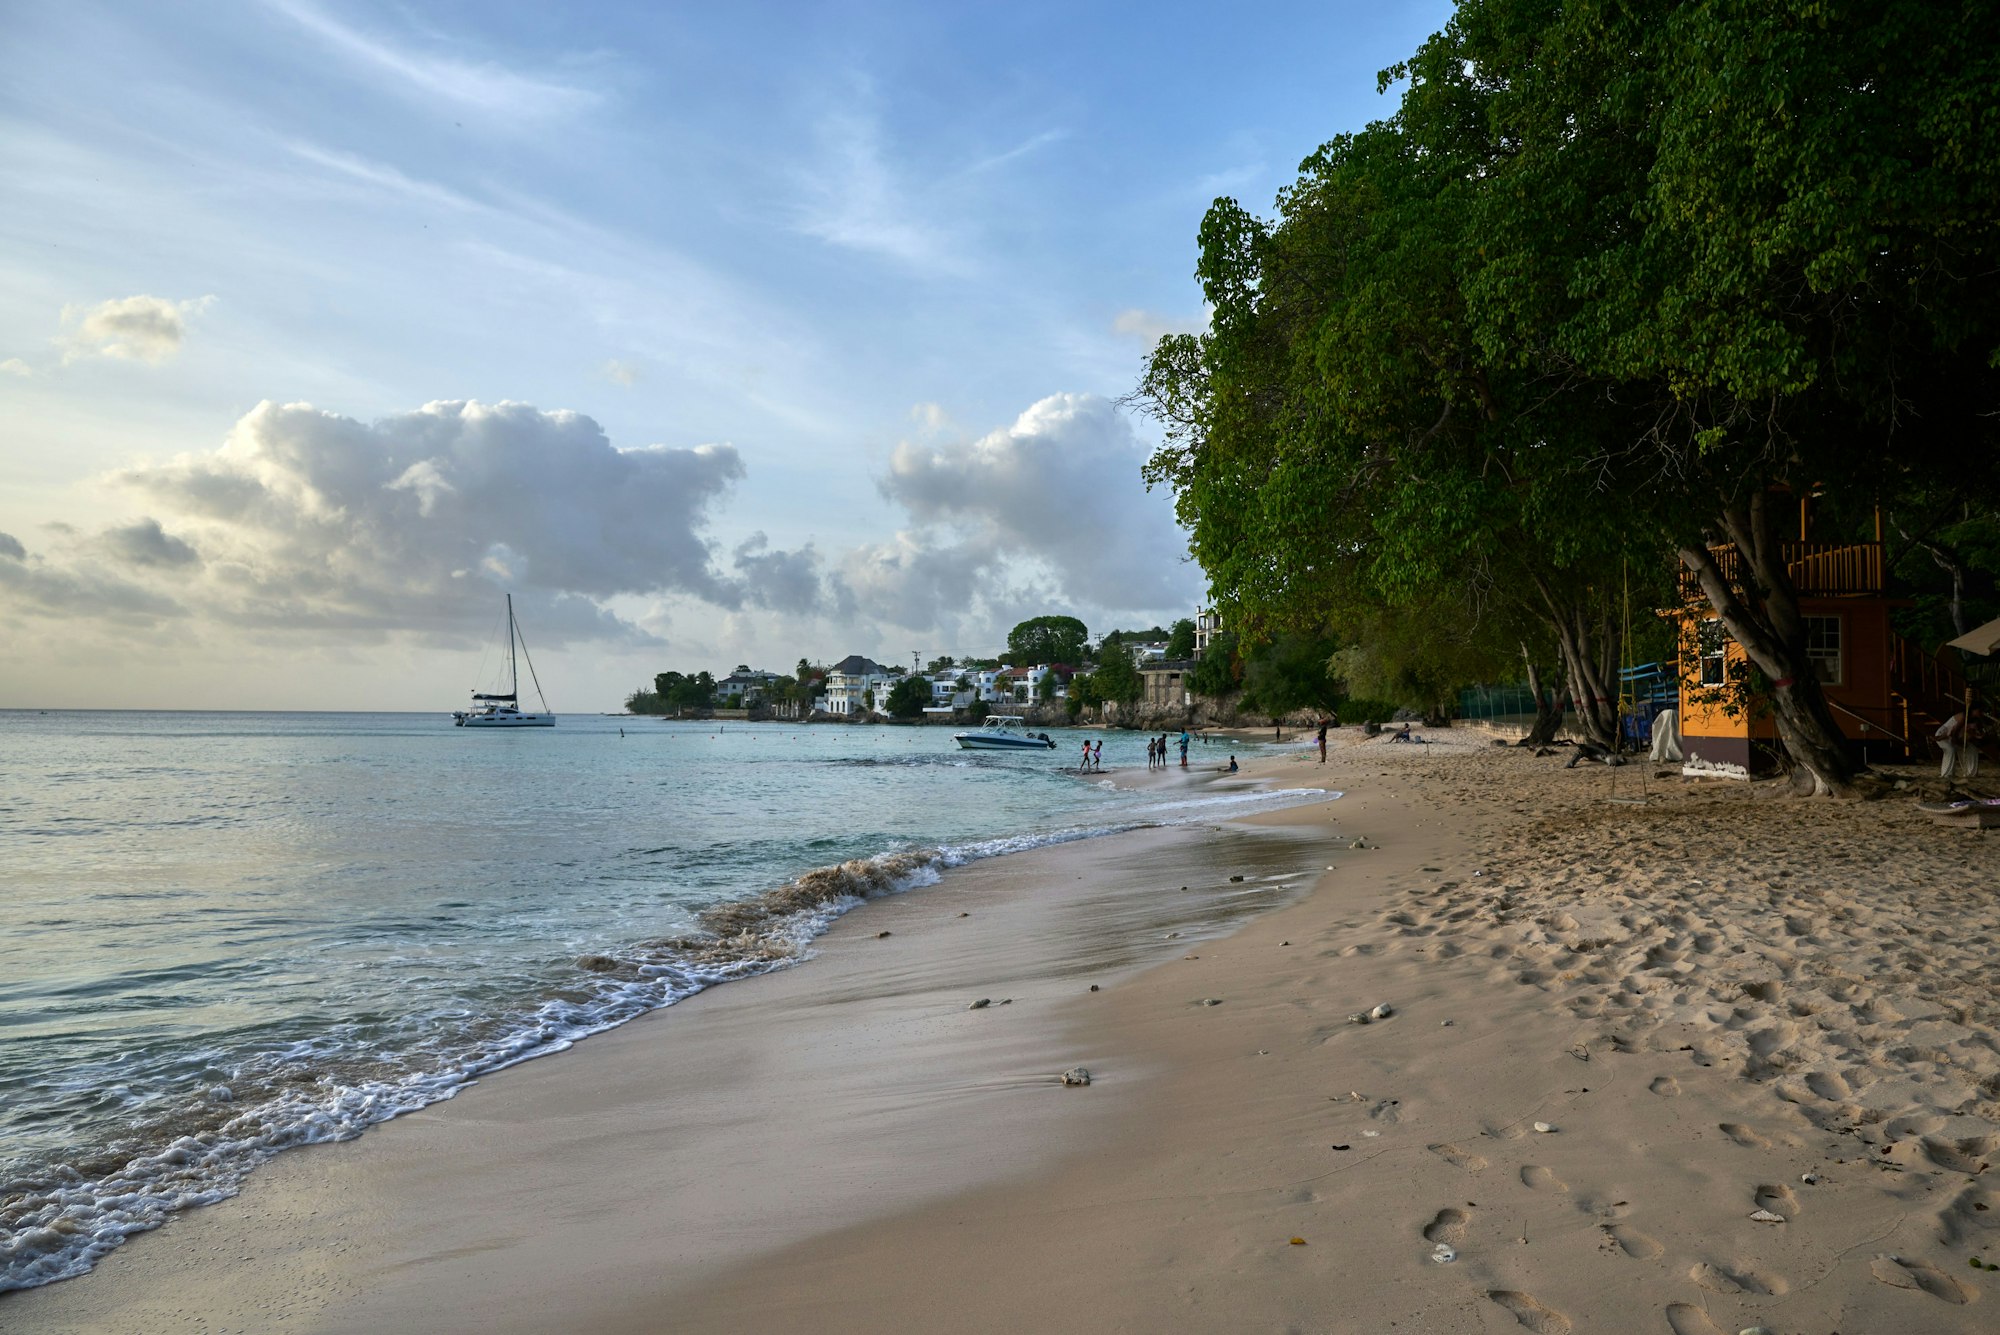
(1712,640)
(1823,648)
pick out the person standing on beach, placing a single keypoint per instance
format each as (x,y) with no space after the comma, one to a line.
(1097,757)
(1184,747)
(1084,766)
(1322,741)
(1956,739)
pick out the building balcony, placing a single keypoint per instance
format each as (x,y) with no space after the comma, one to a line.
(1818,570)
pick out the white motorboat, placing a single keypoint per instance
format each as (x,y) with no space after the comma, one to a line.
(502,709)
(1004,732)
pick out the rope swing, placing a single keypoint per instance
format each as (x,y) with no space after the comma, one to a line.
(1628,703)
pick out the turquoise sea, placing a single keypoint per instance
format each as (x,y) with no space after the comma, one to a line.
(222,935)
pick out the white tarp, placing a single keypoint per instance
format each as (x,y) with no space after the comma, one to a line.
(1667,735)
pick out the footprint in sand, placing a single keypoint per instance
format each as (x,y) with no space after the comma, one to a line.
(1905,1272)
(1738,1279)
(1744,1136)
(1967,1156)
(1633,1243)
(1386,1111)
(1778,1198)
(1687,1319)
(1715,1280)
(1665,1086)
(1971,1214)
(1530,1313)
(1459,1158)
(1447,1226)
(1538,1178)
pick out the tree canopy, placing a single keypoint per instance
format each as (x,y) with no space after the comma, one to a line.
(908,697)
(1047,639)
(684,691)
(1609,276)
(1117,678)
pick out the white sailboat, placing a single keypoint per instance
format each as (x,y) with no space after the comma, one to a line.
(494,709)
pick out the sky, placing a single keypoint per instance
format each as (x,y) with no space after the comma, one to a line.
(715,334)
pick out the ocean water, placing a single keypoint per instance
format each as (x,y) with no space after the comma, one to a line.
(222,935)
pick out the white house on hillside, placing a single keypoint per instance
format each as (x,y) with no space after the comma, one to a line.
(745,684)
(856,681)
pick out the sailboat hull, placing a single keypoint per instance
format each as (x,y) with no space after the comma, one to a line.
(505,720)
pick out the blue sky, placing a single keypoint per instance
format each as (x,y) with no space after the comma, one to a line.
(807,320)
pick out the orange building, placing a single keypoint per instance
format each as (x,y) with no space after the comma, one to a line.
(1886,693)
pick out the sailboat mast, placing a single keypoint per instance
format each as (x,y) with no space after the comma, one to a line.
(513,678)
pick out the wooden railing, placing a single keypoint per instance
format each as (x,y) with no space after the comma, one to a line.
(1932,686)
(1818,569)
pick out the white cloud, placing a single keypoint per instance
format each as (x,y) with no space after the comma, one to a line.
(485,86)
(142,328)
(15,366)
(1047,514)
(620,373)
(1020,150)
(780,580)
(304,520)
(1149,327)
(380,176)
(307,527)
(855,199)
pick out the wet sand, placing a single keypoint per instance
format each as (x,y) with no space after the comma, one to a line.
(1721,1003)
(747,1118)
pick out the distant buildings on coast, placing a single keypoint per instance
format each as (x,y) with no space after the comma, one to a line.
(858,687)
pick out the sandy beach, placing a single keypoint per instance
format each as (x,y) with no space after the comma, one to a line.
(1759,1030)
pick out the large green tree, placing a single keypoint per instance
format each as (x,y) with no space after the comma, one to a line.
(681,690)
(1337,442)
(1117,679)
(1771,225)
(1048,639)
(1292,672)
(909,697)
(1610,275)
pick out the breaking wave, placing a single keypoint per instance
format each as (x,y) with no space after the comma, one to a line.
(58,1219)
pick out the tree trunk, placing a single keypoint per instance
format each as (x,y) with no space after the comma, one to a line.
(1947,561)
(1583,663)
(1763,616)
(1548,713)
